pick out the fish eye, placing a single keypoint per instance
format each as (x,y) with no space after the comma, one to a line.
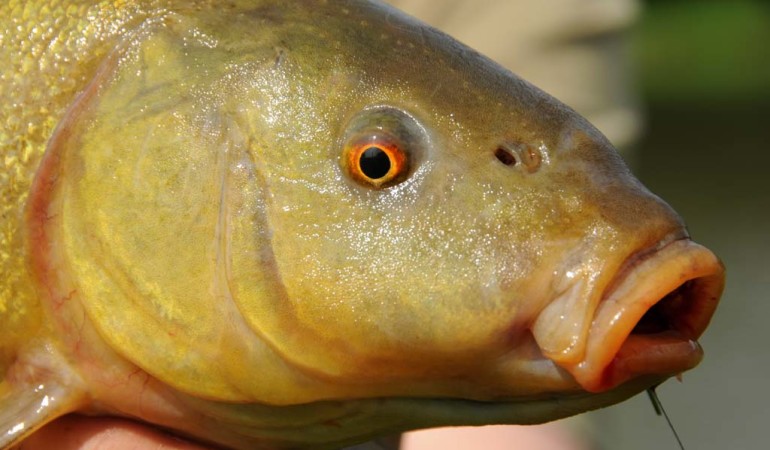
(382,146)
(377,162)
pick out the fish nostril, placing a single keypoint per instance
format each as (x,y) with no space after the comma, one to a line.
(506,156)
(522,156)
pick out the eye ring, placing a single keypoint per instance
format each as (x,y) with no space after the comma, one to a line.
(382,146)
(377,162)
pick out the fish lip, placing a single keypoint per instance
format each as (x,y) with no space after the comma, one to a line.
(686,279)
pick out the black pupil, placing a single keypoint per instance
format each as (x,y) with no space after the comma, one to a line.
(375,163)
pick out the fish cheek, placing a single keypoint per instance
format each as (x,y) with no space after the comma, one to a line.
(390,282)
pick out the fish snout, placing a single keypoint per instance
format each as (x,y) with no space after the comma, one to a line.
(648,317)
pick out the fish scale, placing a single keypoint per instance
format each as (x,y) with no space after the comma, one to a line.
(49,49)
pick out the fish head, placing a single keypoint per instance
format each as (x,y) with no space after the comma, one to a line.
(441,226)
(299,205)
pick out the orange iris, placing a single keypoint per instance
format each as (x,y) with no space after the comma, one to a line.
(377,163)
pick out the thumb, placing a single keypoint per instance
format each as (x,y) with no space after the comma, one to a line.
(75,432)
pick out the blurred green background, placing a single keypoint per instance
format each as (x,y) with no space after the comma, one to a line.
(704,75)
(704,52)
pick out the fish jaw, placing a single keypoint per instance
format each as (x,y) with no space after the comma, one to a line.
(649,317)
(337,424)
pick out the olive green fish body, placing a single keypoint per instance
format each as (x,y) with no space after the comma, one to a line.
(269,224)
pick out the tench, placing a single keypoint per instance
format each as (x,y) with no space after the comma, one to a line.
(303,224)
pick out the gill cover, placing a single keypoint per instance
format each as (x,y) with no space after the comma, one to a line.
(157,216)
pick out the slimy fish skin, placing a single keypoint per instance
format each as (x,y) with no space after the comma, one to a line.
(305,224)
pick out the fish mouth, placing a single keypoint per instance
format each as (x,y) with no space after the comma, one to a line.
(651,315)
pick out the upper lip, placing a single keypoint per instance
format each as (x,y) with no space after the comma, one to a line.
(631,336)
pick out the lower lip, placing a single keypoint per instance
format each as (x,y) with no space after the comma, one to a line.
(664,353)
